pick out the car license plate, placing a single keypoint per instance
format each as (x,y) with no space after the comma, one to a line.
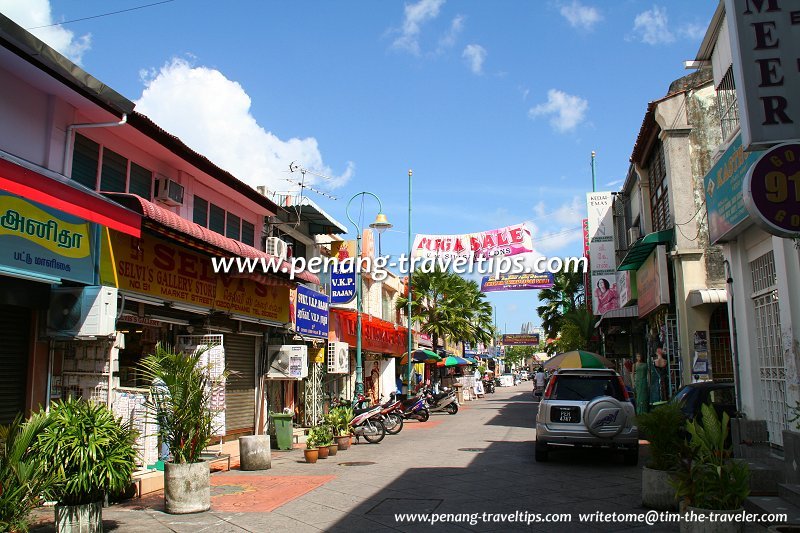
(565,415)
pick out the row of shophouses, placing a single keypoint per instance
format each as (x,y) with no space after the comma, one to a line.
(698,277)
(108,225)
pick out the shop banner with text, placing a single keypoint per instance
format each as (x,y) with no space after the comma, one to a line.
(510,240)
(521,339)
(517,282)
(311,312)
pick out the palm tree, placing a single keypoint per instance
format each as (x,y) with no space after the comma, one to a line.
(567,294)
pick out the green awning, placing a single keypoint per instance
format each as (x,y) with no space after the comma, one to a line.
(641,249)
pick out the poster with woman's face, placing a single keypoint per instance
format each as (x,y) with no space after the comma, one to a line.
(605,294)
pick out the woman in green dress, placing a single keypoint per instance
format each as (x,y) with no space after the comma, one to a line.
(640,384)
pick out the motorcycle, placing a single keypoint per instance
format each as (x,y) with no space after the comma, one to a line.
(392,415)
(367,423)
(444,401)
(415,408)
(488,386)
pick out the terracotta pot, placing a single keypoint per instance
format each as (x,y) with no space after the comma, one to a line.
(333,448)
(323,452)
(343,441)
(311,455)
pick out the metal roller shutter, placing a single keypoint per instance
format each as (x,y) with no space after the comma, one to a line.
(15,327)
(240,357)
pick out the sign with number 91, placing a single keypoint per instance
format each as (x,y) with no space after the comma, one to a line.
(771,190)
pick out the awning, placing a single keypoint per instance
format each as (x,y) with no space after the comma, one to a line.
(623,312)
(302,207)
(49,188)
(641,249)
(175,226)
(700,297)
(377,335)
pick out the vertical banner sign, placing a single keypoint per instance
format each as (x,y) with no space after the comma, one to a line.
(343,282)
(587,275)
(765,44)
(602,252)
(311,311)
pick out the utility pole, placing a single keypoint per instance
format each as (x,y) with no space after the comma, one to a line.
(594,180)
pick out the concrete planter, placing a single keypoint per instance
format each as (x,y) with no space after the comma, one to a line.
(791,454)
(720,524)
(784,528)
(343,441)
(323,452)
(311,455)
(187,487)
(86,518)
(657,493)
(333,449)
(255,452)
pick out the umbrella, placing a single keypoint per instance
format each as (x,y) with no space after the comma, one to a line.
(453,360)
(578,359)
(420,356)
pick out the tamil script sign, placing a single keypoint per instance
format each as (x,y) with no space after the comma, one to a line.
(517,282)
(40,239)
(521,339)
(510,240)
(772,190)
(311,312)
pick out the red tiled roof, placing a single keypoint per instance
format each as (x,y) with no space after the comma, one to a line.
(175,223)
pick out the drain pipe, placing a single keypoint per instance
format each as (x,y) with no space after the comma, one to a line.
(70,138)
(735,343)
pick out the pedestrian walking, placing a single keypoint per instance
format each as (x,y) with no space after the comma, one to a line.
(640,384)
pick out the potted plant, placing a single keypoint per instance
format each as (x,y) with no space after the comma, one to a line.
(323,438)
(662,427)
(24,478)
(181,404)
(341,417)
(333,447)
(311,452)
(90,453)
(709,481)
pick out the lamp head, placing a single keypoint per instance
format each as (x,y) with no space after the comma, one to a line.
(381,223)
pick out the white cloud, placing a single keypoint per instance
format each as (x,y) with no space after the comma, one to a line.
(211,114)
(565,214)
(566,111)
(34,13)
(415,16)
(475,55)
(449,39)
(558,240)
(692,31)
(652,26)
(581,16)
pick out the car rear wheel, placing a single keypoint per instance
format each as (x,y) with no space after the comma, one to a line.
(631,456)
(542,453)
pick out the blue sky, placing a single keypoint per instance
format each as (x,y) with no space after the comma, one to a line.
(496,106)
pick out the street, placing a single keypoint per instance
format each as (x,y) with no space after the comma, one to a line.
(477,461)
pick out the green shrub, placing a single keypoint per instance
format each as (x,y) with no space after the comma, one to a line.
(662,428)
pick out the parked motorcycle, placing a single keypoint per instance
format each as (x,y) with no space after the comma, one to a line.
(367,423)
(444,401)
(415,408)
(488,386)
(392,414)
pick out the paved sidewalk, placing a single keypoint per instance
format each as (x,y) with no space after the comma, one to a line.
(479,460)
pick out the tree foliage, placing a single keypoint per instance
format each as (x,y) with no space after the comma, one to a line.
(566,294)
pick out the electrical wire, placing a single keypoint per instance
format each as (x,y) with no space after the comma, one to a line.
(100,16)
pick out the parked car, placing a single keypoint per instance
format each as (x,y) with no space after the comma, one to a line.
(720,394)
(524,376)
(507,380)
(586,407)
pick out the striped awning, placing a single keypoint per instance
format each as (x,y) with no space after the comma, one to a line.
(623,312)
(700,297)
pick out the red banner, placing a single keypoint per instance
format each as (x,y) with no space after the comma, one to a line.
(376,335)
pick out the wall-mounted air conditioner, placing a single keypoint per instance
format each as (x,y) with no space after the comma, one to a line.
(276,247)
(168,192)
(338,358)
(633,235)
(82,312)
(287,361)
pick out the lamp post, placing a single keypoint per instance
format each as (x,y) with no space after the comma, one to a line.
(410,341)
(381,224)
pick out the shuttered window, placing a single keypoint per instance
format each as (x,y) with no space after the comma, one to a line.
(216,219)
(141,181)
(200,211)
(233,227)
(85,158)
(248,233)
(114,172)
(240,356)
(15,328)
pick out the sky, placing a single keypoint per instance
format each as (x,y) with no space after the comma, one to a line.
(496,106)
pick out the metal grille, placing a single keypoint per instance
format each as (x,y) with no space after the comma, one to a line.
(659,199)
(673,349)
(770,354)
(728,104)
(719,345)
(313,396)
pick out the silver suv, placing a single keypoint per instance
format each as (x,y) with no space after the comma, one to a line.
(587,407)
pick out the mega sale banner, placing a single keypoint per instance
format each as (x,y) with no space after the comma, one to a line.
(510,240)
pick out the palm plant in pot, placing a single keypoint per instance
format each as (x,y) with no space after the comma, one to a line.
(340,421)
(23,476)
(90,453)
(323,437)
(181,404)
(311,452)
(663,428)
(710,481)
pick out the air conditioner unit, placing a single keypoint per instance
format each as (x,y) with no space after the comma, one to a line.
(277,247)
(338,358)
(633,235)
(287,361)
(82,312)
(169,192)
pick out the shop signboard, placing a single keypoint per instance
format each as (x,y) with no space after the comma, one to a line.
(510,240)
(517,282)
(343,283)
(521,339)
(652,283)
(723,185)
(771,190)
(626,287)
(43,240)
(311,313)
(765,40)
(174,273)
(602,252)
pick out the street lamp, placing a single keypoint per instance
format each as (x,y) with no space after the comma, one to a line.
(410,251)
(380,225)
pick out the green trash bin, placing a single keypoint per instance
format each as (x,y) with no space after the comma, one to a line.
(283,430)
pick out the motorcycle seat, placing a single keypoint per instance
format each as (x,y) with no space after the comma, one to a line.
(360,410)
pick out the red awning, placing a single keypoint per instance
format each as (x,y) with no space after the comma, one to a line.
(376,335)
(58,192)
(169,223)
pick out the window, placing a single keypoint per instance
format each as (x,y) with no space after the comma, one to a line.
(141,182)
(659,197)
(200,211)
(728,104)
(581,388)
(114,172)
(233,227)
(388,313)
(216,219)
(85,158)
(248,233)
